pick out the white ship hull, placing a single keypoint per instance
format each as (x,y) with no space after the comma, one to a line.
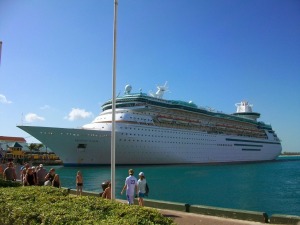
(140,144)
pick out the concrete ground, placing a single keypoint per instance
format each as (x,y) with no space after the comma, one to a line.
(184,218)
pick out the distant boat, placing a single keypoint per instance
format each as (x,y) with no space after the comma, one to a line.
(152,130)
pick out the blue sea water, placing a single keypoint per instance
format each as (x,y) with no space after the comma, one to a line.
(271,187)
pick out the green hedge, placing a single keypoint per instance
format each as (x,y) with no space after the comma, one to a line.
(8,183)
(48,205)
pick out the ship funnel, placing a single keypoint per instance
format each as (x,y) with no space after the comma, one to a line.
(243,106)
(244,109)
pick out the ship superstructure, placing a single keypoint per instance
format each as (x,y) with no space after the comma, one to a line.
(153,130)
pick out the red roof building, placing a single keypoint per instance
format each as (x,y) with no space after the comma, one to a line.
(4,139)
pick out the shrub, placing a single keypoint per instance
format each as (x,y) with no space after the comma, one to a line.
(8,183)
(48,205)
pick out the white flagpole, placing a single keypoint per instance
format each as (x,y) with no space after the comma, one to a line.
(0,50)
(113,138)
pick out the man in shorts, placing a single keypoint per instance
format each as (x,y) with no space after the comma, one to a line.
(130,186)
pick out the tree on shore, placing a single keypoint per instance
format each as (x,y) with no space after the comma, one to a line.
(35,147)
(39,146)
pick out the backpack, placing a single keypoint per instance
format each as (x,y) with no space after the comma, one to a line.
(147,190)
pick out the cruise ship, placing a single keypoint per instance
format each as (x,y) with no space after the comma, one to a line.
(152,130)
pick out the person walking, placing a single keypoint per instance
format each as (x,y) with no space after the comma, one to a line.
(141,188)
(79,183)
(130,186)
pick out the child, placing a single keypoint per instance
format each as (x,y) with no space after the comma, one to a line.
(56,181)
(107,192)
(79,183)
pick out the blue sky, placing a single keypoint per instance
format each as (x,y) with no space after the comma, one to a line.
(56,64)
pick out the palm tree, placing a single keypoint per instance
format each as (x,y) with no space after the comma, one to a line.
(39,146)
(32,147)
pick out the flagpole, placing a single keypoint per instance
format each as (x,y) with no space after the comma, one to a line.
(113,138)
(0,51)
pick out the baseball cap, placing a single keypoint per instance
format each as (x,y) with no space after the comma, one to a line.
(141,174)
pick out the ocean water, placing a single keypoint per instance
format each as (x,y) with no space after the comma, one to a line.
(271,187)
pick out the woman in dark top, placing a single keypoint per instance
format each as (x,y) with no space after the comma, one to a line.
(49,177)
(56,181)
(30,178)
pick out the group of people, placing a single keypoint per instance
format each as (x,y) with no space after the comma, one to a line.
(31,175)
(39,176)
(132,185)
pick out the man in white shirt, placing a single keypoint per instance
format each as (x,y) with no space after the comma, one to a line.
(130,186)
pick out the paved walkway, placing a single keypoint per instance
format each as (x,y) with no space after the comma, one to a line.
(184,218)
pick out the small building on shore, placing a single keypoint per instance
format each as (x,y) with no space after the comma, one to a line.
(5,140)
(16,149)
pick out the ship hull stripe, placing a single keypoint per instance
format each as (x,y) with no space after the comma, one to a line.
(263,142)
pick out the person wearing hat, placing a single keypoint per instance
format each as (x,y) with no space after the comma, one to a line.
(130,186)
(141,188)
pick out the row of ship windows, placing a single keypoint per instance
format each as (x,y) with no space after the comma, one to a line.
(134,118)
(132,112)
(187,155)
(161,136)
(149,113)
(164,131)
(90,135)
(73,134)
(171,142)
(137,118)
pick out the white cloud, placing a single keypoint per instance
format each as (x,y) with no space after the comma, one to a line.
(31,117)
(76,114)
(4,100)
(45,107)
